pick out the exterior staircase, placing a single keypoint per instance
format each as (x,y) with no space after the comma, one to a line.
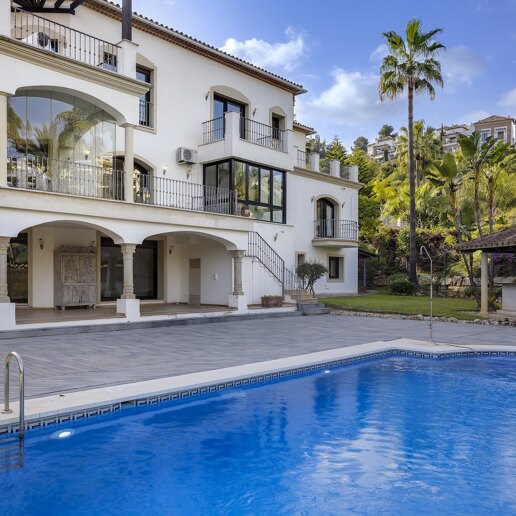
(308,304)
(259,249)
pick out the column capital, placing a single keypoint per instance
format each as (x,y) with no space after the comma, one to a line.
(128,248)
(238,253)
(4,243)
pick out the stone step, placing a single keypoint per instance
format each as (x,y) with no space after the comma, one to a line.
(316,311)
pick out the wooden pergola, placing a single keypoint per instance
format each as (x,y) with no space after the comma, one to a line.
(52,6)
(502,242)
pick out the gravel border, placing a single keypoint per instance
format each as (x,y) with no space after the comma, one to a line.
(421,317)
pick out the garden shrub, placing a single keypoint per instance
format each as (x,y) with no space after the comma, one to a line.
(402,287)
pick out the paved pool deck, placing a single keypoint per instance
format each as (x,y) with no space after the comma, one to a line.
(66,363)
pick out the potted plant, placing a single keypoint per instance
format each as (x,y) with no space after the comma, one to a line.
(272,301)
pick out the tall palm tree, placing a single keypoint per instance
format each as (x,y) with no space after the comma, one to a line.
(411,66)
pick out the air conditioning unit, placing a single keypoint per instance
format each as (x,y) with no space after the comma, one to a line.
(185,155)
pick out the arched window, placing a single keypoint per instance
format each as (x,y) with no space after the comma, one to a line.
(325,218)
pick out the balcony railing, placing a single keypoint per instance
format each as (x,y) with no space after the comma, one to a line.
(171,193)
(59,39)
(213,130)
(66,177)
(336,229)
(302,159)
(144,116)
(251,131)
(262,134)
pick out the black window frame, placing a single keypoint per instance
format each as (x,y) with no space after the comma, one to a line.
(339,260)
(144,115)
(246,202)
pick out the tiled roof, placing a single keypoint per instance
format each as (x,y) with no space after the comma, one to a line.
(494,118)
(306,128)
(158,29)
(503,241)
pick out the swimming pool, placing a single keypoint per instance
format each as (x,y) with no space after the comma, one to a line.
(390,436)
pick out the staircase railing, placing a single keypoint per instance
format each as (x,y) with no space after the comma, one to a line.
(257,247)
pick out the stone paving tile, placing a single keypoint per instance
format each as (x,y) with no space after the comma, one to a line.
(60,363)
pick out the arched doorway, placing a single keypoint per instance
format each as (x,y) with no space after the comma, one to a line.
(325,218)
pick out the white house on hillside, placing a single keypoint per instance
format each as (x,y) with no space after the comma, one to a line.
(137,163)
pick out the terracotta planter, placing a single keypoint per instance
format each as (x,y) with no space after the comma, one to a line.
(271,301)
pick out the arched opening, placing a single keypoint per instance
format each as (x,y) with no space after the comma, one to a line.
(325,218)
(60,142)
(142,179)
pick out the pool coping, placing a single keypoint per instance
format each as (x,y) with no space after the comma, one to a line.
(77,405)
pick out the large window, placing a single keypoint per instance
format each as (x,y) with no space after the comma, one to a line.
(57,126)
(18,269)
(259,189)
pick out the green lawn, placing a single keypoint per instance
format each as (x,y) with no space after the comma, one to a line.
(384,302)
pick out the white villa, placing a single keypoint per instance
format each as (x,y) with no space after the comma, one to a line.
(138,164)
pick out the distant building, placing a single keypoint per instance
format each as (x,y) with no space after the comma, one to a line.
(499,127)
(450,135)
(382,149)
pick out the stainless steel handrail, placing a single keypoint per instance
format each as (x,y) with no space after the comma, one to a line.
(21,377)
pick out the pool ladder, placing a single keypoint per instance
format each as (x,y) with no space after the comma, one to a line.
(21,377)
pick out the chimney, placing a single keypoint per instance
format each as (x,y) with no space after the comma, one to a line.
(127,20)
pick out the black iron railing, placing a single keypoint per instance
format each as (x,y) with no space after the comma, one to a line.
(263,134)
(258,248)
(213,130)
(66,177)
(144,115)
(59,39)
(171,193)
(338,229)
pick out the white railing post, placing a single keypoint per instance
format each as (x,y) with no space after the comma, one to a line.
(314,161)
(5,18)
(335,168)
(353,173)
(127,58)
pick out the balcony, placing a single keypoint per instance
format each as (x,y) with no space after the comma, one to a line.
(84,180)
(335,233)
(55,38)
(65,177)
(252,141)
(250,130)
(171,193)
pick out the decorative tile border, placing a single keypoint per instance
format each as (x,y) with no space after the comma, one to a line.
(78,416)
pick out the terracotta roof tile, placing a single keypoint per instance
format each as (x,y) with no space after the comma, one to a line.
(110,8)
(504,240)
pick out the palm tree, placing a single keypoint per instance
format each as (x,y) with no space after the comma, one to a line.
(411,65)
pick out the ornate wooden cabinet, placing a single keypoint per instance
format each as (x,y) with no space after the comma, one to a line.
(75,276)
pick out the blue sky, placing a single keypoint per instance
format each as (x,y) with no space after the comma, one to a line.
(334,48)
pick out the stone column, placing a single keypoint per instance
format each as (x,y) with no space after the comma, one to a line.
(4,245)
(237,272)
(335,168)
(238,299)
(128,304)
(129,163)
(484,288)
(128,251)
(3,139)
(7,309)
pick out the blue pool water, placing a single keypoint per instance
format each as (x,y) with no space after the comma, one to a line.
(393,436)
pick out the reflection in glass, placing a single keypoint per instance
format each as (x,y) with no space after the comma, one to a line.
(59,126)
(253,182)
(265,185)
